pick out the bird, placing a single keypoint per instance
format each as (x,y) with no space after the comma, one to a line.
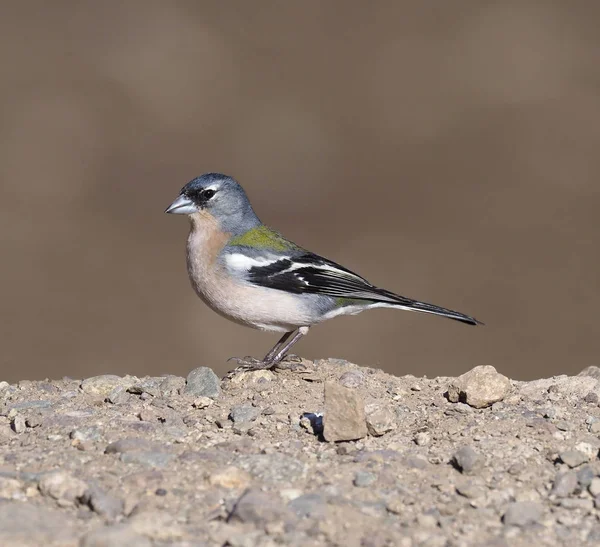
(254,276)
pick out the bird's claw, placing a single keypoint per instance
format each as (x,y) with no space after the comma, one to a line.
(291,362)
(246,364)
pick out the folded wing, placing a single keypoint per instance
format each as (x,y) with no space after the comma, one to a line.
(308,273)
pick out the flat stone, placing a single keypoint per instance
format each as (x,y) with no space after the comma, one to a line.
(203,382)
(344,418)
(380,419)
(466,459)
(523,513)
(481,387)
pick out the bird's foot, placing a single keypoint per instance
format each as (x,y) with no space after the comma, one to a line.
(291,362)
(246,364)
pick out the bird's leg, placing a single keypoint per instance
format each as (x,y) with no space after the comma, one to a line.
(250,363)
(282,352)
(273,351)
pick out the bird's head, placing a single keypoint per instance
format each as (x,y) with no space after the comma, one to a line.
(219,196)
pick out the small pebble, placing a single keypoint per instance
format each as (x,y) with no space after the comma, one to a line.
(564,484)
(351,379)
(101,386)
(573,458)
(423,438)
(380,419)
(481,387)
(202,402)
(18,424)
(245,413)
(118,396)
(86,434)
(104,504)
(61,485)
(203,382)
(585,476)
(466,459)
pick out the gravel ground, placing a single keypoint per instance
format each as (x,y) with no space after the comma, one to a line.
(326,453)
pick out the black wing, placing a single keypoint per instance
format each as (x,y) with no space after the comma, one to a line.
(309,273)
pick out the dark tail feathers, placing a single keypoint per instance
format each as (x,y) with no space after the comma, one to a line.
(415,305)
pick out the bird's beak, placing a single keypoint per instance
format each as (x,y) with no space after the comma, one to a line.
(182,206)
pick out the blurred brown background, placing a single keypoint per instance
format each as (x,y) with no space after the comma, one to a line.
(444,150)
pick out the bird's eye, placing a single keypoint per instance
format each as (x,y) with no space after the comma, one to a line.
(208,194)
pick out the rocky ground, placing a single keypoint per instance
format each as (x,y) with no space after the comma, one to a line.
(327,454)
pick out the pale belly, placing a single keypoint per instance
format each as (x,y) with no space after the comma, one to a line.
(250,305)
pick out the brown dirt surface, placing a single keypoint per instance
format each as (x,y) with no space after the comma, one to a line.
(244,461)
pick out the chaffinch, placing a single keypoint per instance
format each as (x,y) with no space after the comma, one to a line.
(252,275)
